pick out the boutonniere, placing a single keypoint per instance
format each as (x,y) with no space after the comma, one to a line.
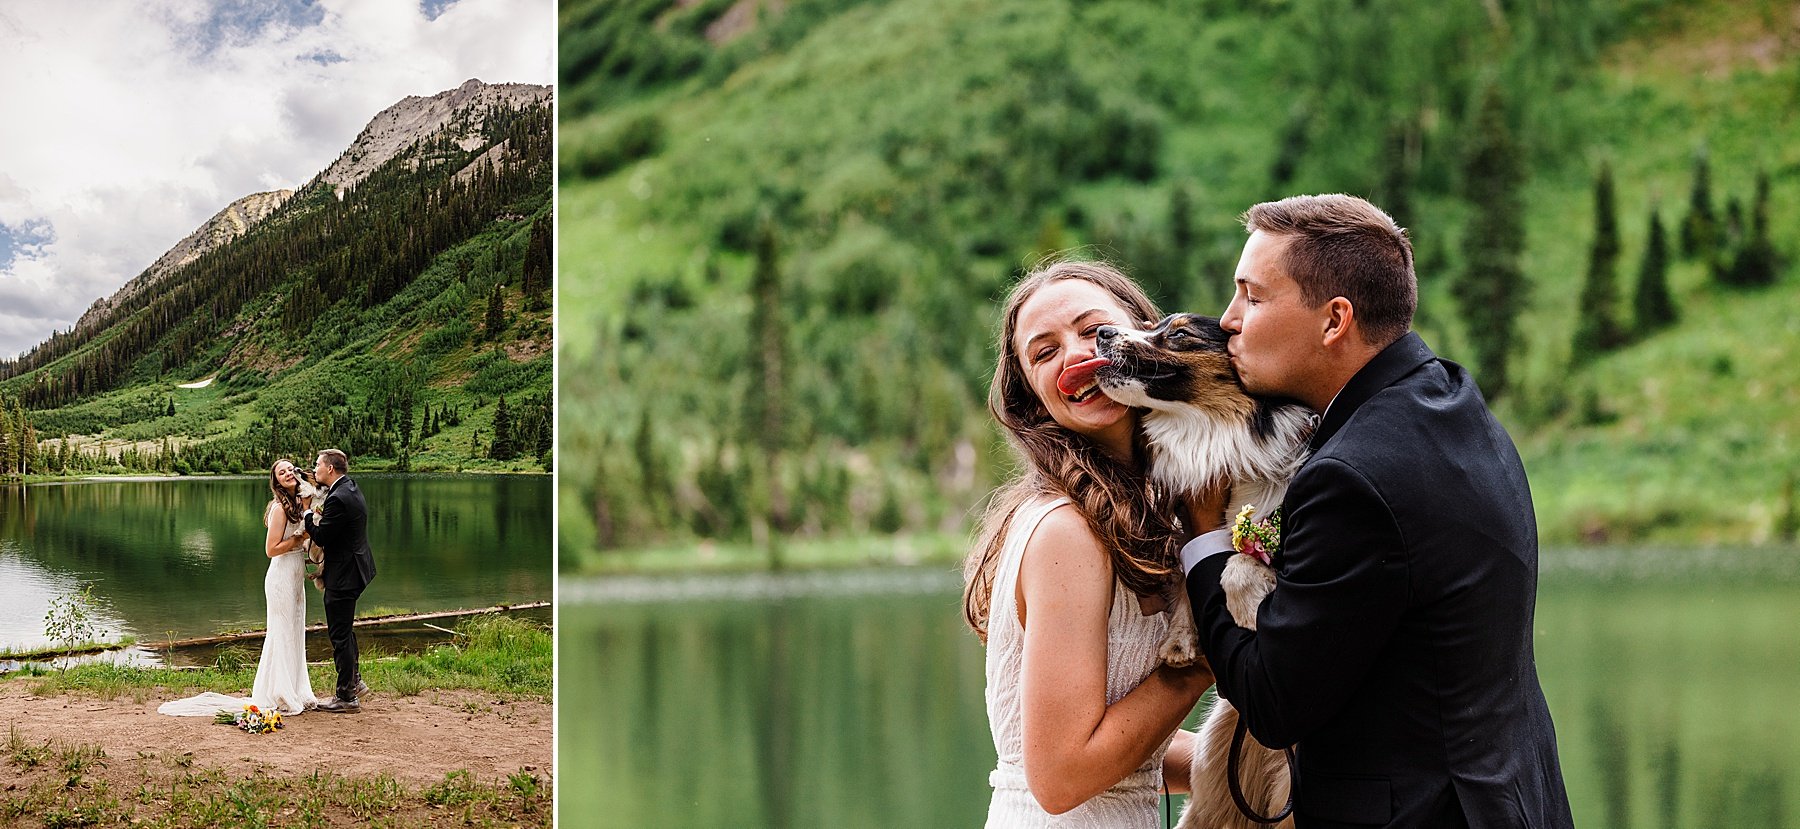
(1260,540)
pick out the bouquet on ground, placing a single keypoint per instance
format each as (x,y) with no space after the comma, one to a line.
(252,719)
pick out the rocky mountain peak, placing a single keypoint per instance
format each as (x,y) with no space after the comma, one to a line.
(390,133)
(415,119)
(224,226)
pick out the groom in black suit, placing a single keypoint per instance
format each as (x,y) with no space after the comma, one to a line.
(1396,650)
(340,527)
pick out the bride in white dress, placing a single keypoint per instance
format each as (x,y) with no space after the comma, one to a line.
(1065,584)
(282,683)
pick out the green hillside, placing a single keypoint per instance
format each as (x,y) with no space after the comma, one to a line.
(782,241)
(393,322)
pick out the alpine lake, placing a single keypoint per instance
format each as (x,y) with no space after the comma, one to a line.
(180,558)
(854,698)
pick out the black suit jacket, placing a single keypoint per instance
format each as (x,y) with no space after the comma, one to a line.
(341,528)
(1396,649)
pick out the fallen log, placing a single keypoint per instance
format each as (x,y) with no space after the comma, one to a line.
(389,619)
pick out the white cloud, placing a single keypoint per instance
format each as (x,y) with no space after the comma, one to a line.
(126,123)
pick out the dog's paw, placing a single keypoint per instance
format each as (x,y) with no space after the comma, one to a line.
(1181,645)
(1179,649)
(1246,582)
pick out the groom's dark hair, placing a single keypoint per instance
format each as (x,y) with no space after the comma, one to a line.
(1340,245)
(336,459)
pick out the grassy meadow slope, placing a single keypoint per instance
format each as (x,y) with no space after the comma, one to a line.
(906,158)
(348,343)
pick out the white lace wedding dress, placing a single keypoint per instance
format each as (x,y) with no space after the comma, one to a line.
(282,683)
(1131,642)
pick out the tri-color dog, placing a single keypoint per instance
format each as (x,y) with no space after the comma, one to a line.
(312,497)
(1203,428)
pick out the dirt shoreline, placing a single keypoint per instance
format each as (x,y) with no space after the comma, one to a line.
(417,739)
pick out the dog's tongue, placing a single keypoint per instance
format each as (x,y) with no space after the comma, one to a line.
(1077,376)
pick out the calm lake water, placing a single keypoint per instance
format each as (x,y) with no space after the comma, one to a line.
(184,557)
(856,700)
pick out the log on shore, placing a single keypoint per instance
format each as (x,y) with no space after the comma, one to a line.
(365,622)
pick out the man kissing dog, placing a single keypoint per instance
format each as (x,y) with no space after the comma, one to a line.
(1395,652)
(341,528)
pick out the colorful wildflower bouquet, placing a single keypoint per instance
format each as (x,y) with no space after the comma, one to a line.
(252,719)
(1260,540)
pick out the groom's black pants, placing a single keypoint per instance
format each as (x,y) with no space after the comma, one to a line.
(340,624)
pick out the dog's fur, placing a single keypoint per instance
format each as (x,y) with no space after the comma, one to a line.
(312,497)
(1203,428)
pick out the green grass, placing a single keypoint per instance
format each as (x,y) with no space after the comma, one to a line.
(495,654)
(24,654)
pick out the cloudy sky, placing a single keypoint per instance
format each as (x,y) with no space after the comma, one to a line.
(126,124)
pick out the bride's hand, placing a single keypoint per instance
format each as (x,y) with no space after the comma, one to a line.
(1205,511)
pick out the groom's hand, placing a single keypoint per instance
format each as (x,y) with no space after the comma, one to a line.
(1203,515)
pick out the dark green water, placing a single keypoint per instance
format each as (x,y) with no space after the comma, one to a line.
(184,557)
(1672,678)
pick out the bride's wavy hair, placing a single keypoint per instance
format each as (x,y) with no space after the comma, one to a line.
(1124,511)
(289,501)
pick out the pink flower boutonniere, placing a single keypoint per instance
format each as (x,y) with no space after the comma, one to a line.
(1260,540)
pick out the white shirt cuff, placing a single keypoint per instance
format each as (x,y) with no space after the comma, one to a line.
(1210,544)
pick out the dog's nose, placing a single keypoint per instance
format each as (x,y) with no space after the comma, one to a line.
(1107,332)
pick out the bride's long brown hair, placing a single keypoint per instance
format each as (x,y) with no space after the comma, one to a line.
(289,501)
(1126,514)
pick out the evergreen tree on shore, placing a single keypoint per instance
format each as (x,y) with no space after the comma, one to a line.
(1491,290)
(502,447)
(1653,307)
(768,387)
(1700,230)
(1597,326)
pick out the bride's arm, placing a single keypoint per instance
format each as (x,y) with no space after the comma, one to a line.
(1076,745)
(273,543)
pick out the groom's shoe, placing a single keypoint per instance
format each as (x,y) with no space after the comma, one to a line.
(341,706)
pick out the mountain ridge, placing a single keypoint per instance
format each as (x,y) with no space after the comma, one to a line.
(404,317)
(389,132)
(227,224)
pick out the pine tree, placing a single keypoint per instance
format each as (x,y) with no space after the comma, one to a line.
(502,447)
(1397,171)
(768,334)
(768,348)
(496,313)
(1491,290)
(1183,284)
(1652,305)
(1597,326)
(538,271)
(1700,230)
(6,442)
(546,441)
(1756,262)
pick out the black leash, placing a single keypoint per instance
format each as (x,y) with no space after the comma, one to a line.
(1237,791)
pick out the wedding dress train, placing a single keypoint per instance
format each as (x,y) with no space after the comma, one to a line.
(282,683)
